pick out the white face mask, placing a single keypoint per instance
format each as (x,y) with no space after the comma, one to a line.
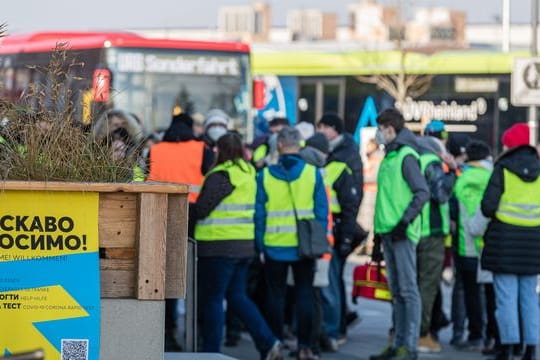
(215,132)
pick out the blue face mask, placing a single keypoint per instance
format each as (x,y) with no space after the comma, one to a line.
(379,137)
(215,132)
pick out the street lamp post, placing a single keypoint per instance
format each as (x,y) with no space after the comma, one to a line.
(533,114)
(506,26)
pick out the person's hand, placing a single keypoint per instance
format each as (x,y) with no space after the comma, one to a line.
(345,247)
(262,259)
(449,160)
(376,253)
(400,231)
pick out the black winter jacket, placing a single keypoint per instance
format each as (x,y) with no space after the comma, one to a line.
(511,249)
(347,151)
(347,197)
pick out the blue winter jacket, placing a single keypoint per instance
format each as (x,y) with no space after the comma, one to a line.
(289,167)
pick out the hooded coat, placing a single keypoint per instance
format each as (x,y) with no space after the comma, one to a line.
(289,168)
(412,174)
(441,184)
(102,128)
(347,151)
(509,248)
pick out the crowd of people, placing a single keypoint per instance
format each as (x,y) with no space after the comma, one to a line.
(437,201)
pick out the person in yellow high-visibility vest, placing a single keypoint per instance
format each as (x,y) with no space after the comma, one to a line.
(225,235)
(512,241)
(286,191)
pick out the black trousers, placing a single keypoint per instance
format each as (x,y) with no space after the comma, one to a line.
(467,268)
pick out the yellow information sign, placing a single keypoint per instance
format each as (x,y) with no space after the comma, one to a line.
(49,273)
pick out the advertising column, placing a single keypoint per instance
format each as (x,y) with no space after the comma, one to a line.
(49,274)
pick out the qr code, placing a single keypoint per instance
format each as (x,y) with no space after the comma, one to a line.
(74,349)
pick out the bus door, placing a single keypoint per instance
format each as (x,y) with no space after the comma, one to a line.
(317,96)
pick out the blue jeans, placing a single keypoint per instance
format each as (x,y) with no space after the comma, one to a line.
(400,257)
(512,291)
(220,278)
(276,278)
(331,299)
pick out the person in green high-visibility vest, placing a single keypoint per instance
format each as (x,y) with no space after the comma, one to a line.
(402,193)
(435,227)
(468,191)
(225,235)
(512,241)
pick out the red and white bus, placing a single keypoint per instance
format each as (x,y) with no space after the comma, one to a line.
(146,77)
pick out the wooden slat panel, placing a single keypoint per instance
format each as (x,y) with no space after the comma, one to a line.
(147,187)
(152,235)
(118,284)
(117,220)
(117,264)
(177,233)
(119,253)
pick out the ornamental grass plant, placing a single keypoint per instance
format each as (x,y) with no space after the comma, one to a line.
(42,138)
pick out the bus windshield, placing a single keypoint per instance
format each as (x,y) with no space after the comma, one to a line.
(152,82)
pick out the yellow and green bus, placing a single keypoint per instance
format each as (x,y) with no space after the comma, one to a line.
(469,89)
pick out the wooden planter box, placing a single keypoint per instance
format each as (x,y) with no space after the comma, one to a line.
(143,257)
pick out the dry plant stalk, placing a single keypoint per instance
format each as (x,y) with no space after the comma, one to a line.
(43,141)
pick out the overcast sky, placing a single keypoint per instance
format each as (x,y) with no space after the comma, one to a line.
(31,15)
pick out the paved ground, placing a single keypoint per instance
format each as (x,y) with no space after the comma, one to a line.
(366,337)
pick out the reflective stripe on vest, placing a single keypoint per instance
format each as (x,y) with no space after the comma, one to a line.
(394,194)
(520,201)
(334,170)
(232,219)
(469,190)
(178,162)
(280,220)
(283,213)
(444,209)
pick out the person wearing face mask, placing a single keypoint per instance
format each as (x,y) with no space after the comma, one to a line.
(216,123)
(402,193)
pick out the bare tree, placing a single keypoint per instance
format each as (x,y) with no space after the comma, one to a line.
(401,85)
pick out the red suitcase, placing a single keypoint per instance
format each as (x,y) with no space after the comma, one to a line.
(369,281)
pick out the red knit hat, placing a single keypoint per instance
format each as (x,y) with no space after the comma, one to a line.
(517,135)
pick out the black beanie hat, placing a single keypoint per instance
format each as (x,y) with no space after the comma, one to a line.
(181,125)
(319,142)
(477,150)
(332,120)
(182,118)
(457,143)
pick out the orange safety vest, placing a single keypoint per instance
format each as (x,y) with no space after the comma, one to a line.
(178,162)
